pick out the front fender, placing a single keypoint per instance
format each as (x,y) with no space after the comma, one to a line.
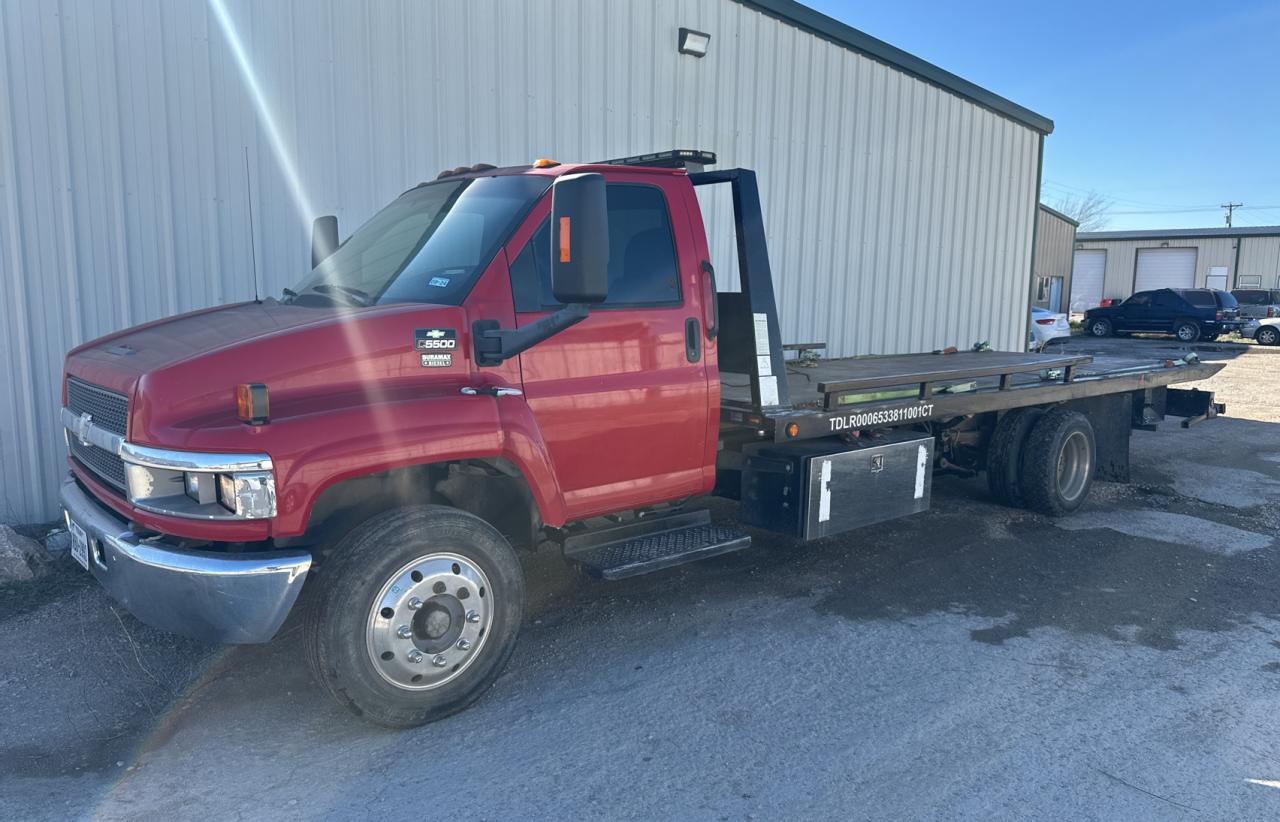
(313,452)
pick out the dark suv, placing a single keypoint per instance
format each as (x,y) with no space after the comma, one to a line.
(1258,303)
(1187,313)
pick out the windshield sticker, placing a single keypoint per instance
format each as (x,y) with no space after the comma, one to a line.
(438,282)
(435,339)
(437,360)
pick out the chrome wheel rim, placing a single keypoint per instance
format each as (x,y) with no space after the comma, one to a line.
(1267,336)
(1073,466)
(1100,329)
(430,621)
(1186,333)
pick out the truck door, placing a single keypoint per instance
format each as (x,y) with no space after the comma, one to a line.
(622,398)
(1135,314)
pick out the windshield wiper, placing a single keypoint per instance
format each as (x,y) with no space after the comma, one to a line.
(290,293)
(356,296)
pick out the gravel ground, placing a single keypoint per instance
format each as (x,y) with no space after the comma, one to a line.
(973,662)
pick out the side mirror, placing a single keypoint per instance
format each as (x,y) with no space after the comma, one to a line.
(579,239)
(324,238)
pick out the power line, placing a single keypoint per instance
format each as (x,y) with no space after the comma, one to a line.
(1230,207)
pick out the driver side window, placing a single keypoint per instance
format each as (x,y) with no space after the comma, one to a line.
(642,259)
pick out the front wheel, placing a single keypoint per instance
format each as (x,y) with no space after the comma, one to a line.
(1268,335)
(1100,328)
(418,613)
(1187,331)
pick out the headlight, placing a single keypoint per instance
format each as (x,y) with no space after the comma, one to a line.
(199,486)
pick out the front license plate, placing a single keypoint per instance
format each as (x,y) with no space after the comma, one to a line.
(79,543)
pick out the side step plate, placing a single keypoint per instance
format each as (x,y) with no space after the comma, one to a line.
(653,552)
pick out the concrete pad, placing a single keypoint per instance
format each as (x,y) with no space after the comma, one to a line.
(1235,487)
(1179,529)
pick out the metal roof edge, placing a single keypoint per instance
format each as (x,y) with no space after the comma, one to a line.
(1180,233)
(815,22)
(1055,212)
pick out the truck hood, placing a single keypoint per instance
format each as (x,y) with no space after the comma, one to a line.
(180,374)
(118,360)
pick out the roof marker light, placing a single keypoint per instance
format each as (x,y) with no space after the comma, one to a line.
(543,162)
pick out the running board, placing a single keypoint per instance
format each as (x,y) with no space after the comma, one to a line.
(652,545)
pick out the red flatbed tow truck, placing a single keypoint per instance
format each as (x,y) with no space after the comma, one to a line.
(506,357)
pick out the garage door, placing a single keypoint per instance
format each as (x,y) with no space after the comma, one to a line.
(1087,274)
(1165,268)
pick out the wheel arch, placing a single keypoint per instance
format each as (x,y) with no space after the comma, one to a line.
(494,489)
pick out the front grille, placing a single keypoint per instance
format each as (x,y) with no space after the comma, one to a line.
(108,409)
(106,465)
(110,412)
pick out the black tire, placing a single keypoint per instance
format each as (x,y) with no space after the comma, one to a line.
(364,570)
(1058,462)
(1268,335)
(1004,455)
(1101,327)
(1187,331)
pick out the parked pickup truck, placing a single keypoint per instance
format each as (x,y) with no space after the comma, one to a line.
(508,357)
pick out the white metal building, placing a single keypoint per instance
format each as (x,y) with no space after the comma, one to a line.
(1117,264)
(1051,271)
(900,199)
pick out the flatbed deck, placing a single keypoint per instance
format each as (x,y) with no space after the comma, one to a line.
(858,392)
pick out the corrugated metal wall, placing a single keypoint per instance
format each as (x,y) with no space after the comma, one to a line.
(1260,256)
(1122,259)
(1055,241)
(899,215)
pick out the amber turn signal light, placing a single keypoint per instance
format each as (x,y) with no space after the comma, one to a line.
(793,430)
(251,403)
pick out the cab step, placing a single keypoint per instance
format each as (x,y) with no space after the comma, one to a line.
(652,544)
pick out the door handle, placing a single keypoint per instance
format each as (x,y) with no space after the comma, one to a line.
(492,390)
(692,339)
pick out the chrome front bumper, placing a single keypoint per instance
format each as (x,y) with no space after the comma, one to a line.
(232,598)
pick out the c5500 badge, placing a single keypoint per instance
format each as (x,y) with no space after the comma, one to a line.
(437,345)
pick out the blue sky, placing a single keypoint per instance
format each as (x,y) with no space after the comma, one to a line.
(1162,107)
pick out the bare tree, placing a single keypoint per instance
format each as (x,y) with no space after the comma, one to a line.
(1091,210)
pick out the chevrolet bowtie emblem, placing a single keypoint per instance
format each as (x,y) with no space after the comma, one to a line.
(81,428)
(435,333)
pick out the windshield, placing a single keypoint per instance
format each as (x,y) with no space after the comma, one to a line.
(429,245)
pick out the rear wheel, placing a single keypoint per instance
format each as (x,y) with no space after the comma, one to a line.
(417,615)
(1268,335)
(1100,327)
(1058,462)
(1187,331)
(1004,455)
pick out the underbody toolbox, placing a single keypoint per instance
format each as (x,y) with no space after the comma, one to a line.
(816,488)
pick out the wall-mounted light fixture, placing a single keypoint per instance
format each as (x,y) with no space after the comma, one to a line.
(694,42)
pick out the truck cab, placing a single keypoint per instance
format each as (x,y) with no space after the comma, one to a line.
(506,358)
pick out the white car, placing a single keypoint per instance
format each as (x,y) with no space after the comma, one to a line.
(1265,332)
(1047,327)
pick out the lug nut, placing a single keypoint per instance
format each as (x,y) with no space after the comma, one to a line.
(414,604)
(473,616)
(415,656)
(439,661)
(464,645)
(404,632)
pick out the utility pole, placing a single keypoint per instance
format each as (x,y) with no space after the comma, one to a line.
(1230,207)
